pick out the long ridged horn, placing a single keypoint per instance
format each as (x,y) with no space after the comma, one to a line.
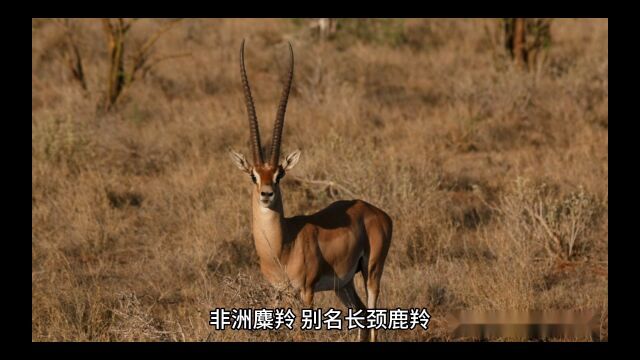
(282,108)
(256,147)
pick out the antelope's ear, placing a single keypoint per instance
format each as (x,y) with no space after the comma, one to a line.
(240,161)
(291,160)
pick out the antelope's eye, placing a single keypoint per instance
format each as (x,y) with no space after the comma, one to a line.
(279,176)
(253,178)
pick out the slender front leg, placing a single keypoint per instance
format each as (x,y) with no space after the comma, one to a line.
(306,295)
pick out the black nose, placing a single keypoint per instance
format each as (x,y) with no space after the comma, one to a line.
(266,193)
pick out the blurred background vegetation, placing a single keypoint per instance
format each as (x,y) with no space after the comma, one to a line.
(486,140)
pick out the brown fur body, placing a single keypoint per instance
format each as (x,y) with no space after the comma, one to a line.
(322,251)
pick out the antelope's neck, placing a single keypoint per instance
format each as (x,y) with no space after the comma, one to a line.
(268,235)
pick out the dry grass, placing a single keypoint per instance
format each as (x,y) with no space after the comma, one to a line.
(497,180)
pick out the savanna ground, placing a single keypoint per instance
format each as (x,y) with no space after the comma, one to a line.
(496,178)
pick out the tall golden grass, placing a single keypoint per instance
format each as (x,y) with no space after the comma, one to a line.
(497,179)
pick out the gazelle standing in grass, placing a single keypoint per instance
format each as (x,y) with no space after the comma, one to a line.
(317,252)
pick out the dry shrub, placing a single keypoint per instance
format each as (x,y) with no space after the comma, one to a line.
(59,139)
(133,322)
(555,226)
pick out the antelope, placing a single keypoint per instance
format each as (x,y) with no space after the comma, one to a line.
(318,252)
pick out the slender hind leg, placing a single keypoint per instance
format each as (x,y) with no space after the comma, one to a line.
(372,300)
(349,297)
(373,288)
(364,269)
(379,240)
